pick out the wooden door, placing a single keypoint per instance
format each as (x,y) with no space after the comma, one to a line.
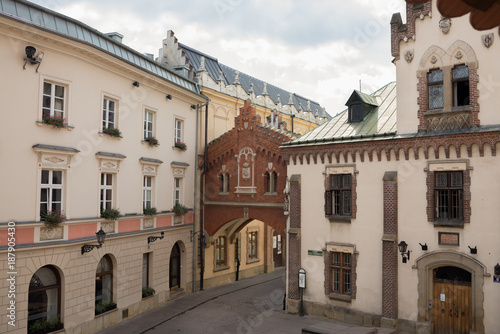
(452,308)
(175,267)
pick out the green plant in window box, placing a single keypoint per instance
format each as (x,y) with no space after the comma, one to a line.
(147,291)
(43,326)
(111,214)
(53,218)
(113,132)
(104,307)
(152,141)
(179,209)
(149,211)
(181,145)
(55,121)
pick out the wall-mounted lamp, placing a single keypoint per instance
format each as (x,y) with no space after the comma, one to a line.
(403,246)
(473,250)
(31,58)
(497,270)
(169,97)
(424,246)
(136,84)
(154,238)
(193,107)
(101,235)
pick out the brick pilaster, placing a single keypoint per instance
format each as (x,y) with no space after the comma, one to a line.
(294,260)
(390,248)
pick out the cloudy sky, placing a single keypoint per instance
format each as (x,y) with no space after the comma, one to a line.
(319,49)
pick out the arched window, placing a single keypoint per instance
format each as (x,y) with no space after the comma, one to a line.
(104,286)
(271,182)
(44,298)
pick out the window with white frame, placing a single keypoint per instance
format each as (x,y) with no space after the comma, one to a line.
(220,252)
(178,131)
(106,196)
(147,199)
(148,124)
(54,100)
(177,190)
(51,191)
(252,245)
(109,110)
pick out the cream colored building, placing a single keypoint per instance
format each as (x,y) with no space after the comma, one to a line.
(94,83)
(413,163)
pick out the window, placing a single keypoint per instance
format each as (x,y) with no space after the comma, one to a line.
(54,97)
(108,114)
(271,182)
(106,191)
(177,190)
(178,131)
(220,252)
(44,296)
(252,245)
(338,199)
(355,113)
(51,191)
(340,271)
(147,197)
(148,124)
(224,179)
(145,270)
(461,86)
(436,90)
(449,195)
(103,285)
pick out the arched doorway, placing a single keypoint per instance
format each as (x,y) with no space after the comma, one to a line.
(452,300)
(104,286)
(44,298)
(175,267)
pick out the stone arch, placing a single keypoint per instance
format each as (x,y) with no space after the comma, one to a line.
(427,58)
(467,54)
(425,266)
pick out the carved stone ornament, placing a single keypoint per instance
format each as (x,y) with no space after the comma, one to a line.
(109,165)
(459,55)
(245,212)
(445,25)
(487,39)
(149,223)
(245,171)
(434,59)
(108,227)
(409,55)
(54,160)
(245,124)
(269,165)
(51,233)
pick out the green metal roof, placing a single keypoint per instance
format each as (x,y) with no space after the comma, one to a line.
(381,120)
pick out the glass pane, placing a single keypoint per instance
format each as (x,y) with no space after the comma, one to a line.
(336,280)
(347,260)
(346,182)
(460,72)
(336,202)
(111,117)
(45,176)
(111,106)
(347,281)
(109,194)
(148,195)
(56,195)
(45,276)
(46,102)
(441,180)
(346,203)
(436,97)
(103,265)
(58,104)
(435,76)
(57,177)
(44,195)
(109,179)
(335,181)
(47,87)
(456,179)
(59,91)
(43,209)
(336,258)
(442,197)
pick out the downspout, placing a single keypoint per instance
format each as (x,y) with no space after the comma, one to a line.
(193,286)
(202,206)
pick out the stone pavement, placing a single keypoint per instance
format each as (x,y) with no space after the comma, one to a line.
(155,320)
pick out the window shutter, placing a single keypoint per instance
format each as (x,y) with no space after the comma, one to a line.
(328,202)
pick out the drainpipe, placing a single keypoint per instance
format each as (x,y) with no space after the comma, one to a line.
(198,108)
(202,206)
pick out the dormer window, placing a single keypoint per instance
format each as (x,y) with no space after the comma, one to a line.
(359,106)
(355,113)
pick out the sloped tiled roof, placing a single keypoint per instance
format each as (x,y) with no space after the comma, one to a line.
(48,20)
(381,120)
(213,67)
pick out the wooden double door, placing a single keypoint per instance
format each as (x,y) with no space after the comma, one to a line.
(452,301)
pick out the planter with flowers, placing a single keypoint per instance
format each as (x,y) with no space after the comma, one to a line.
(111,214)
(179,211)
(152,141)
(113,132)
(180,145)
(149,211)
(52,230)
(55,121)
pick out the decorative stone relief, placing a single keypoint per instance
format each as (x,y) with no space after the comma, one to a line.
(51,233)
(448,122)
(148,222)
(178,220)
(245,212)
(487,39)
(459,55)
(434,59)
(445,25)
(409,55)
(245,171)
(108,227)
